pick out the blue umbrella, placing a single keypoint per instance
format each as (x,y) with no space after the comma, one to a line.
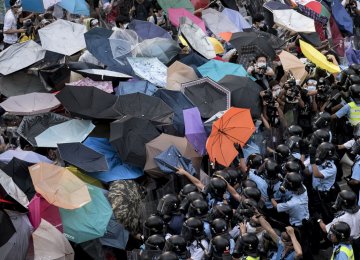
(117,169)
(342,17)
(216,70)
(75,6)
(237,19)
(147,30)
(194,60)
(141,86)
(116,235)
(35,6)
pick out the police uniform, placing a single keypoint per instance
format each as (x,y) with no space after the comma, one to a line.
(278,255)
(342,252)
(353,220)
(197,250)
(355,172)
(328,170)
(352,111)
(250,148)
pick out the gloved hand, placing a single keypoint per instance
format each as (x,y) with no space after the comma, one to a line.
(239,149)
(270,191)
(312,152)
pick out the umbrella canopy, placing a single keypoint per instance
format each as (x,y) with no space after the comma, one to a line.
(171,159)
(27,156)
(36,6)
(218,47)
(79,7)
(176,13)
(208,96)
(63,37)
(90,221)
(129,136)
(293,21)
(32,126)
(342,17)
(85,178)
(318,58)
(107,75)
(88,102)
(7,228)
(162,48)
(166,4)
(196,38)
(245,93)
(87,82)
(216,70)
(160,144)
(54,76)
(179,73)
(30,104)
(19,56)
(218,22)
(143,106)
(312,38)
(150,69)
(83,157)
(138,86)
(193,59)
(292,64)
(70,131)
(116,235)
(59,186)
(117,169)
(200,4)
(208,123)
(274,5)
(147,30)
(237,19)
(194,129)
(235,126)
(10,189)
(319,8)
(178,102)
(123,42)
(50,243)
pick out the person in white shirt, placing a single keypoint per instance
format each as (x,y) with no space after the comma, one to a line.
(10,24)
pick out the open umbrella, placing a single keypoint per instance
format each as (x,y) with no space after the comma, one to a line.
(208,123)
(117,169)
(30,104)
(208,96)
(36,6)
(116,235)
(275,5)
(292,64)
(83,157)
(196,38)
(50,243)
(236,18)
(179,73)
(59,186)
(312,38)
(193,60)
(32,126)
(90,221)
(54,76)
(218,47)
(147,30)
(19,56)
(235,126)
(129,136)
(136,86)
(27,156)
(319,8)
(166,4)
(218,22)
(194,129)
(162,48)
(70,131)
(123,42)
(10,191)
(7,228)
(63,37)
(216,70)
(79,7)
(342,17)
(87,82)
(104,75)
(200,4)
(176,13)
(85,177)
(293,21)
(318,58)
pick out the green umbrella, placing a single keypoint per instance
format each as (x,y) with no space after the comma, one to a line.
(166,4)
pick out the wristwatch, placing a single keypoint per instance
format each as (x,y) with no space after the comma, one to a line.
(319,220)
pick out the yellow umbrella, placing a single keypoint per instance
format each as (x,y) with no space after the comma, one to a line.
(318,58)
(183,41)
(218,47)
(85,178)
(292,64)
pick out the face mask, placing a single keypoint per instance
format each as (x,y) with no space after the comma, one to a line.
(261,64)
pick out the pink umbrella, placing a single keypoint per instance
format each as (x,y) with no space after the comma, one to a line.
(176,13)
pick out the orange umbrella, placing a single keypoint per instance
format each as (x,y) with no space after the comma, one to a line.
(235,126)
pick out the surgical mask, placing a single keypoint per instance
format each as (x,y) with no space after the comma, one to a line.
(261,64)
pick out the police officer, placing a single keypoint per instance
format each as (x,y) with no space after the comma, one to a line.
(169,209)
(295,130)
(323,122)
(193,232)
(177,245)
(339,235)
(199,209)
(219,227)
(153,225)
(155,242)
(219,249)
(246,247)
(294,144)
(283,154)
(354,181)
(168,256)
(186,190)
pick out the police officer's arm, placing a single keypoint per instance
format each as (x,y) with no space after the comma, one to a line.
(265,225)
(233,192)
(295,242)
(191,178)
(316,172)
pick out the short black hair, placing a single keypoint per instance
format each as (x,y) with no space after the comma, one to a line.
(122,19)
(258,18)
(260,55)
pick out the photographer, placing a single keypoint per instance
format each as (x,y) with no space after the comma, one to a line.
(261,71)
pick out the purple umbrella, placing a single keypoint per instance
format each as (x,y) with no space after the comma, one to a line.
(194,129)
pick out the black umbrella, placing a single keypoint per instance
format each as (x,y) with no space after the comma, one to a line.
(104,75)
(245,93)
(78,65)
(207,95)
(312,38)
(83,157)
(275,42)
(129,136)
(88,102)
(7,229)
(54,76)
(32,126)
(230,4)
(147,107)
(193,60)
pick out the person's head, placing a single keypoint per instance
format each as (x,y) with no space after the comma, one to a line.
(155,242)
(254,161)
(177,245)
(258,20)
(15,5)
(339,233)
(217,187)
(311,82)
(272,169)
(153,225)
(94,23)
(325,151)
(293,181)
(283,153)
(246,245)
(192,229)
(346,201)
(121,20)
(295,130)
(168,205)
(261,60)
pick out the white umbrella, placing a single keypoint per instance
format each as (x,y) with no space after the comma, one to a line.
(293,21)
(27,156)
(63,37)
(12,189)
(218,22)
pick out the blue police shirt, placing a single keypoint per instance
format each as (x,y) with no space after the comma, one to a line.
(207,229)
(355,174)
(281,248)
(344,111)
(341,255)
(250,148)
(328,169)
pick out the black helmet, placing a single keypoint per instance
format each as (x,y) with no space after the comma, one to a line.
(341,230)
(246,245)
(355,93)
(168,256)
(252,193)
(347,201)
(223,211)
(295,130)
(153,225)
(248,183)
(354,79)
(185,203)
(272,169)
(186,190)
(222,173)
(193,228)
(155,242)
(355,67)
(283,152)
(355,149)
(220,248)
(356,132)
(168,205)
(292,182)
(322,121)
(235,176)
(294,143)
(218,227)
(320,136)
(198,208)
(292,166)
(246,209)
(325,151)
(217,187)
(254,161)
(177,244)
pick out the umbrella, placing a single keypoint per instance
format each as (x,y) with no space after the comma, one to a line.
(208,123)
(196,38)
(163,49)
(90,221)
(19,56)
(312,38)
(275,42)
(83,157)
(179,73)
(30,104)
(150,69)
(63,37)
(193,59)
(138,86)
(235,126)
(218,22)
(292,64)
(79,65)
(293,21)
(342,17)
(274,5)
(129,136)
(104,75)
(123,42)
(194,129)
(143,106)
(54,76)
(88,102)
(32,126)
(7,228)
(171,159)
(319,8)
(245,93)
(116,235)
(117,169)
(218,47)
(27,156)
(166,4)
(178,102)
(85,178)
(200,4)
(216,70)
(207,95)
(147,30)
(10,189)
(70,131)
(236,18)
(59,186)
(79,7)
(176,13)
(36,6)
(318,58)
(230,4)
(50,243)
(87,82)
(160,144)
